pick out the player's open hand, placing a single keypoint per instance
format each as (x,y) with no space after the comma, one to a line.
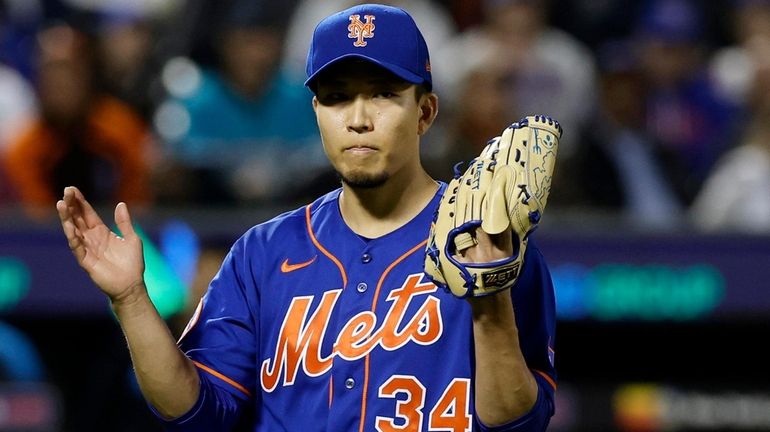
(114,263)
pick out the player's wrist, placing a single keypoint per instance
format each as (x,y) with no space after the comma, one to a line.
(494,308)
(135,294)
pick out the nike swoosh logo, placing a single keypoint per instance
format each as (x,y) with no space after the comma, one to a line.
(286,267)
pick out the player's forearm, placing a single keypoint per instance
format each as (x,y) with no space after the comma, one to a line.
(168,379)
(505,388)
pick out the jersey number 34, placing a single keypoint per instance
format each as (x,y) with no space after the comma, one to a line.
(450,413)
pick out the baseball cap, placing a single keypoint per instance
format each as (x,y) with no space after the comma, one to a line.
(384,35)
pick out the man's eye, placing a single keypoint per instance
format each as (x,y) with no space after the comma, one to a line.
(385,94)
(333,97)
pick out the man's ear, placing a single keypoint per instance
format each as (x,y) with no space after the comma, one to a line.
(315,103)
(428,110)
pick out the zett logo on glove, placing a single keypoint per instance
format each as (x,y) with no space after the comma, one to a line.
(501,277)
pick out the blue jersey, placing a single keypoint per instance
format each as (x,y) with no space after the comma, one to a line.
(320,329)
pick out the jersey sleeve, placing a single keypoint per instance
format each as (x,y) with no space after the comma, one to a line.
(535,307)
(221,339)
(536,420)
(216,409)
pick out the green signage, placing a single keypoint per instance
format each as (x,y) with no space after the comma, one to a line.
(638,292)
(14,282)
(655,292)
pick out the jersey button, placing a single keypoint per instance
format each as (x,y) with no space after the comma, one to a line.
(365,258)
(362,287)
(350,383)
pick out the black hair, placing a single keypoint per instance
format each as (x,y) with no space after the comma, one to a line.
(420,89)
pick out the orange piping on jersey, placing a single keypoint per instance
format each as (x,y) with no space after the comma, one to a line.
(374,307)
(363,396)
(339,266)
(237,386)
(322,249)
(547,378)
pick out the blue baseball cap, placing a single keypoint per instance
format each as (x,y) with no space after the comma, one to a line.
(384,35)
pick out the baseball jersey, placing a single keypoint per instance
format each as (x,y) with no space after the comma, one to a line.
(321,329)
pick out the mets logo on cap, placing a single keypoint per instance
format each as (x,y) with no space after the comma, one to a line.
(360,30)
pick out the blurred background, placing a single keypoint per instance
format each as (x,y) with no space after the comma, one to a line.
(194,113)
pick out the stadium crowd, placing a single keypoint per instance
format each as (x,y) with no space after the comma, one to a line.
(201,103)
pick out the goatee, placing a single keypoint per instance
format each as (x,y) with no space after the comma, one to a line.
(363,181)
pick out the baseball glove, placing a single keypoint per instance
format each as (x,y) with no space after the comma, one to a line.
(505,188)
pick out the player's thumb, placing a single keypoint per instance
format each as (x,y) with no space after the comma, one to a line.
(497,220)
(123,220)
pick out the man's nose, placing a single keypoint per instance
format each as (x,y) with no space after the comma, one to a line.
(360,119)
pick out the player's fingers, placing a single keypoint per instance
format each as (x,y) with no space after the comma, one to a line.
(123,220)
(62,211)
(74,208)
(88,214)
(497,219)
(490,247)
(74,239)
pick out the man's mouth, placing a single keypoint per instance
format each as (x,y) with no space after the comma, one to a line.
(360,149)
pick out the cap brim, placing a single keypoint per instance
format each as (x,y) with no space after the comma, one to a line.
(400,72)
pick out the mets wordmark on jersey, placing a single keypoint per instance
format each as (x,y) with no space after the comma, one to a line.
(322,329)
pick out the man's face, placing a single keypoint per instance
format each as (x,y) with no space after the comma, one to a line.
(370,123)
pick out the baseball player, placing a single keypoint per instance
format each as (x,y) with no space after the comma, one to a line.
(394,303)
